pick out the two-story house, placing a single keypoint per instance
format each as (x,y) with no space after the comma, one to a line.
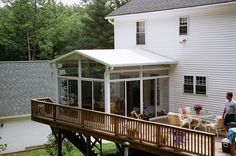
(168,54)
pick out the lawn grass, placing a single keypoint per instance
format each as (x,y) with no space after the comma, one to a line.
(107,149)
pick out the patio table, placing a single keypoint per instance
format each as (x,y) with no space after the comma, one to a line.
(202,116)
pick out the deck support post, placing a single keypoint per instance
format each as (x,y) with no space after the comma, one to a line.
(88,140)
(59,143)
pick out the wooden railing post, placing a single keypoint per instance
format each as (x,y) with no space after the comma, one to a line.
(116,124)
(212,145)
(32,108)
(233,146)
(54,111)
(82,118)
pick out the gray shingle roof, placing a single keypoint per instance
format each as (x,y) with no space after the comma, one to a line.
(22,81)
(141,6)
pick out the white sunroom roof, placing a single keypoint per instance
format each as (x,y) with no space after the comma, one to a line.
(121,57)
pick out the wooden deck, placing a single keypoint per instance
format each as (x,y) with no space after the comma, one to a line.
(157,138)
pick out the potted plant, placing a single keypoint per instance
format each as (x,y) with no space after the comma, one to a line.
(197,108)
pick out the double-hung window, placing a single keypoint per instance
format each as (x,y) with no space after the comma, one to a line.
(140,33)
(183,26)
(195,84)
(200,85)
(188,84)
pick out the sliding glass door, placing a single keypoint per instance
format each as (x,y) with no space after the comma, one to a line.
(133,96)
(151,96)
(117,98)
(93,95)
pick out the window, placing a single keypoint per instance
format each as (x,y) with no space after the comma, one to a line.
(183,26)
(68,68)
(200,85)
(92,69)
(195,85)
(68,92)
(140,33)
(188,84)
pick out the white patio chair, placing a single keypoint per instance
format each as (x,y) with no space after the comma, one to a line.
(217,125)
(177,120)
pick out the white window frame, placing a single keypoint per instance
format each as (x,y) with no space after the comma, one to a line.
(195,83)
(188,84)
(136,33)
(184,25)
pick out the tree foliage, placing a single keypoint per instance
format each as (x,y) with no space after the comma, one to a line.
(44,29)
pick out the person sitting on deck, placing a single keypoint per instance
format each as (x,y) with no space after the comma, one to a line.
(229,110)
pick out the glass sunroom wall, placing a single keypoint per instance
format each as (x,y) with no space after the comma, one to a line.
(117,98)
(164,95)
(67,82)
(92,84)
(155,90)
(124,90)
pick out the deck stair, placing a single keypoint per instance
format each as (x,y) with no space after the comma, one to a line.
(80,141)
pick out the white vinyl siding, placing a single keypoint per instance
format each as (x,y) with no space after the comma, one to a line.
(209,50)
(20,133)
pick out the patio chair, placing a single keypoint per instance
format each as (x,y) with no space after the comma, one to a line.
(217,125)
(184,112)
(177,120)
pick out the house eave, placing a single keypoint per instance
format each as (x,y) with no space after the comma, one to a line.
(169,10)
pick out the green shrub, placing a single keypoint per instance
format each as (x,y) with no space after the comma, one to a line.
(51,146)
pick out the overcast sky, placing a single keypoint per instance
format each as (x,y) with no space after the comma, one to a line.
(67,2)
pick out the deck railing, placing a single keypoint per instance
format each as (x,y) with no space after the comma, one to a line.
(161,135)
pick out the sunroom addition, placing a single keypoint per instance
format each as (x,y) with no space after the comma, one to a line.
(114,81)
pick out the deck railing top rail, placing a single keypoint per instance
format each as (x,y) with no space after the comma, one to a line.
(145,132)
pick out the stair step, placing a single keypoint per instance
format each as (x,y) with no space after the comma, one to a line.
(79,142)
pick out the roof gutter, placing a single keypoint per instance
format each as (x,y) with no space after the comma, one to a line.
(15,117)
(110,20)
